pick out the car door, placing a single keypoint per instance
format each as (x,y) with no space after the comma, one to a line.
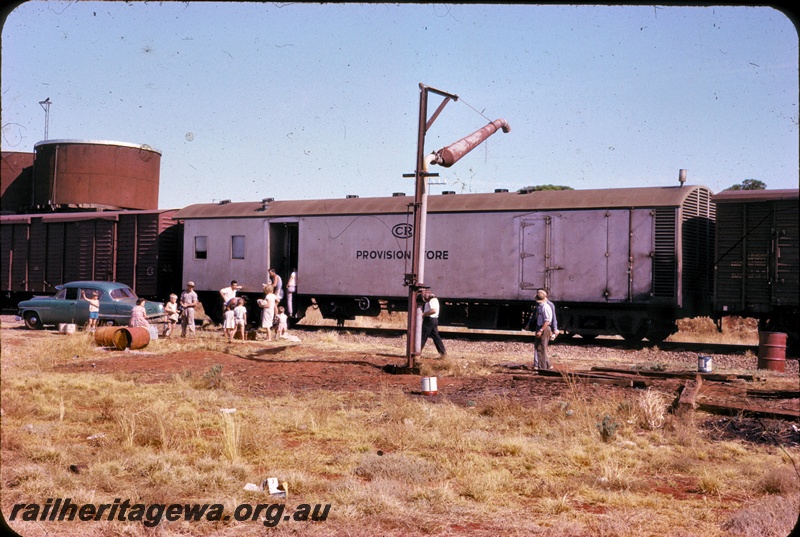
(64,305)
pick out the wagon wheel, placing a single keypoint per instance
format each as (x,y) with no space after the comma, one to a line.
(658,335)
(33,321)
(637,335)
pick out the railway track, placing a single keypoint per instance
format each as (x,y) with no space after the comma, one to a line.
(527,337)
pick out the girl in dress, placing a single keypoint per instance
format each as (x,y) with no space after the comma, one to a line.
(139,315)
(229,323)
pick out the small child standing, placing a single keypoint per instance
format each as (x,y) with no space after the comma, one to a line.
(171,311)
(229,322)
(240,316)
(94,308)
(283,322)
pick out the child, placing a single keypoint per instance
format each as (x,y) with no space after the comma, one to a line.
(171,311)
(94,309)
(240,317)
(283,323)
(229,324)
(139,314)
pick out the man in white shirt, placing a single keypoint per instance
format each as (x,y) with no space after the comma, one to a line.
(430,322)
(229,293)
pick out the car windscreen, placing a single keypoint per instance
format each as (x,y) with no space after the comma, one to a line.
(122,292)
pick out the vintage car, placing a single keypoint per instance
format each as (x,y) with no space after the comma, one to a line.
(116,302)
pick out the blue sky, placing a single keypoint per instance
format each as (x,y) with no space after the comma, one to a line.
(301,101)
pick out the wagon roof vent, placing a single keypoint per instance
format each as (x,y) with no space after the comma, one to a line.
(224,202)
(265,203)
(351,196)
(448,193)
(398,194)
(500,190)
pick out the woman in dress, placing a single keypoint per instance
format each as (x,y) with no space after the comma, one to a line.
(139,315)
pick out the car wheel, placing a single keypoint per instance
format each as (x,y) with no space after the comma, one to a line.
(33,321)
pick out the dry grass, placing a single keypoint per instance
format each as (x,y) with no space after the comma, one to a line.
(388,463)
(735,331)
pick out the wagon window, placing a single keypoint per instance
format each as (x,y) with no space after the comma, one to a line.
(237,247)
(200,247)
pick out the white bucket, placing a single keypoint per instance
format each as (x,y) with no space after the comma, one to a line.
(66,328)
(704,364)
(429,386)
(153,332)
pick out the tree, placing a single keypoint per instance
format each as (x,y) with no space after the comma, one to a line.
(537,188)
(749,184)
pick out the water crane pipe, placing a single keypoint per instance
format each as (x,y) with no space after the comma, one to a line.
(451,154)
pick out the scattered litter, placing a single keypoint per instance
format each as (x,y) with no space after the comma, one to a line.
(290,337)
(275,489)
(96,436)
(227,410)
(279,490)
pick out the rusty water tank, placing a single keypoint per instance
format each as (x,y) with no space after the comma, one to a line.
(95,174)
(16,178)
(772,351)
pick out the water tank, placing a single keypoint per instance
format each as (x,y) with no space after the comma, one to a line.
(16,177)
(95,174)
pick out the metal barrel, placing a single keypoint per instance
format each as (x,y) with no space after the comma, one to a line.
(772,351)
(131,337)
(104,335)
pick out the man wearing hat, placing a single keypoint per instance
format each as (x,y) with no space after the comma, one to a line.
(188,302)
(543,318)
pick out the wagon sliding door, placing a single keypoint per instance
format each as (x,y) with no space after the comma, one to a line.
(588,256)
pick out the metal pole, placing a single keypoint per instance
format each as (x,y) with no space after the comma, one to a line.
(46,106)
(414,335)
(417,277)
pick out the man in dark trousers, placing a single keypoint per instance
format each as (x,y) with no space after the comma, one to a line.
(430,322)
(541,320)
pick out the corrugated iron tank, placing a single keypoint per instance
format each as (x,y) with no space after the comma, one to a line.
(86,174)
(16,177)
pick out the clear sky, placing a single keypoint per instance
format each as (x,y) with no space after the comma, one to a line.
(301,101)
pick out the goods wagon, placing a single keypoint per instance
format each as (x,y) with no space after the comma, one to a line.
(757,269)
(615,261)
(137,248)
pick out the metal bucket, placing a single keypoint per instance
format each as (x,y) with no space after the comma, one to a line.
(104,335)
(429,386)
(131,337)
(772,351)
(703,363)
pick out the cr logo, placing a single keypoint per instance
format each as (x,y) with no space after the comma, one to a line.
(403,231)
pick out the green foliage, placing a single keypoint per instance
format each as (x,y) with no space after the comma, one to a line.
(608,428)
(749,184)
(538,188)
(214,376)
